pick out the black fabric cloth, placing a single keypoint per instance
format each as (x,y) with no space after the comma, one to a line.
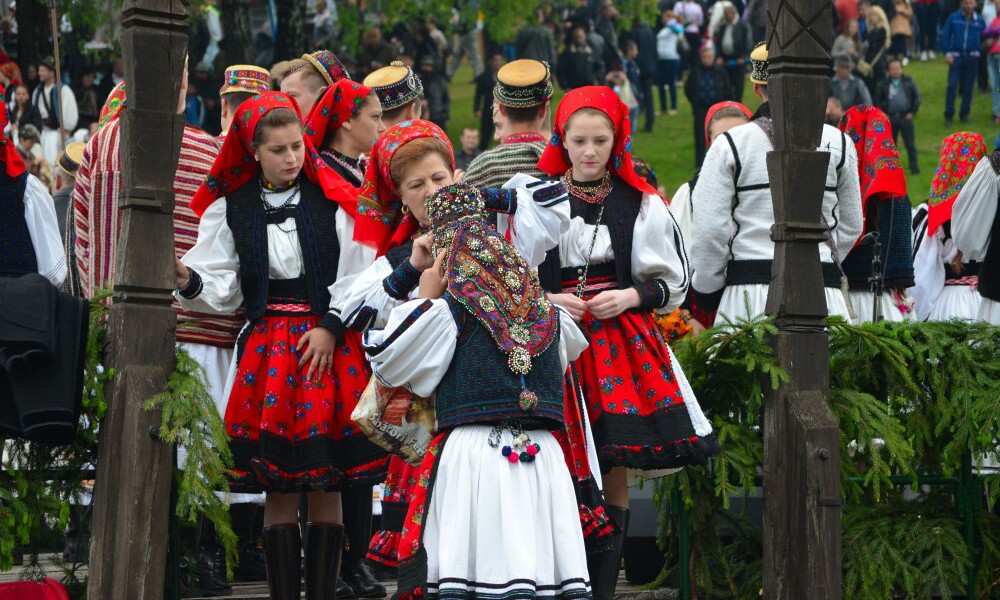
(578,68)
(890,217)
(722,90)
(30,116)
(43,334)
(17,253)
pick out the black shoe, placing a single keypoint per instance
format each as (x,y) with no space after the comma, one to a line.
(948,120)
(344,591)
(361,580)
(357,503)
(324,548)
(964,120)
(76,547)
(914,170)
(384,574)
(247,520)
(282,552)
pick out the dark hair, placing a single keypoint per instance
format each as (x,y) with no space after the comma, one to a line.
(278,117)
(525,114)
(591,111)
(234,99)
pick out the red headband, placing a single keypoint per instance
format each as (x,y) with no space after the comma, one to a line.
(721,105)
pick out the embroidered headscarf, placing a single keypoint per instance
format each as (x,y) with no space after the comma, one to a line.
(879,168)
(959,154)
(719,106)
(113,106)
(381,221)
(336,106)
(235,165)
(490,278)
(555,159)
(13,165)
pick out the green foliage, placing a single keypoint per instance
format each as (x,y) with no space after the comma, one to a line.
(191,420)
(911,399)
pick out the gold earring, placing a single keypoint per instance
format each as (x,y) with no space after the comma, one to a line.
(406,209)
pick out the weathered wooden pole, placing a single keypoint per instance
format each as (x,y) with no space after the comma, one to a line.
(801,445)
(132,492)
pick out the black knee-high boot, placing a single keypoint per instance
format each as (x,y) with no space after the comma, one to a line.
(604,566)
(283,555)
(357,502)
(247,524)
(324,549)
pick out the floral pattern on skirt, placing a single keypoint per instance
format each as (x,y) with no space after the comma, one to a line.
(383,551)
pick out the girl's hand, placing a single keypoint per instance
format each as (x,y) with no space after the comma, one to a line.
(573,305)
(181,274)
(611,303)
(319,345)
(433,281)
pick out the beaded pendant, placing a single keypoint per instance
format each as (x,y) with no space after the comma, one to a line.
(528,400)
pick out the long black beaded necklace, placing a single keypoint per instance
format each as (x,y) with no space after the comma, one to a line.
(591,194)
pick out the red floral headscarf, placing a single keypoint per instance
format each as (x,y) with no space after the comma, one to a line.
(13,165)
(381,222)
(555,159)
(879,167)
(113,106)
(235,166)
(721,105)
(336,106)
(959,154)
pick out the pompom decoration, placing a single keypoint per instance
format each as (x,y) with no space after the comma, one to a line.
(533,449)
(513,457)
(506,451)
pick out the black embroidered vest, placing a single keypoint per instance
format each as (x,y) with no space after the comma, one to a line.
(17,254)
(479,388)
(989,274)
(315,221)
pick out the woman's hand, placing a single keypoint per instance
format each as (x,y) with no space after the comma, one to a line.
(319,345)
(422,256)
(459,175)
(433,281)
(573,305)
(181,274)
(611,303)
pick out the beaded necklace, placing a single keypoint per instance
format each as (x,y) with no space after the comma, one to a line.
(589,193)
(352,166)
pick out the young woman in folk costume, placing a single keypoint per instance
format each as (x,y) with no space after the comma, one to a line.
(621,259)
(493,513)
(343,124)
(410,162)
(945,282)
(271,237)
(887,212)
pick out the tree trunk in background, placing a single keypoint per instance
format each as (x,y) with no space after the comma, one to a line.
(237,44)
(33,42)
(291,42)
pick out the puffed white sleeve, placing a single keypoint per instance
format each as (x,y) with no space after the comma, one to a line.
(70,114)
(572,341)
(416,347)
(43,228)
(712,224)
(365,300)
(850,219)
(680,207)
(928,265)
(538,214)
(354,260)
(974,212)
(659,260)
(214,286)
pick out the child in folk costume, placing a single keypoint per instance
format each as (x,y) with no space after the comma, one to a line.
(343,125)
(945,281)
(621,259)
(494,512)
(270,241)
(886,208)
(410,162)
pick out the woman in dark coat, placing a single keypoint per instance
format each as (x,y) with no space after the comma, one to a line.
(708,84)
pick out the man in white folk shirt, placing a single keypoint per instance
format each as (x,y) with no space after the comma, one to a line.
(975,222)
(56,109)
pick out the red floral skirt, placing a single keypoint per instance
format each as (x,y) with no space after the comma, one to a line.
(383,551)
(636,407)
(288,433)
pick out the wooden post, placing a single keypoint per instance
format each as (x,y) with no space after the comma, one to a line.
(801,441)
(132,492)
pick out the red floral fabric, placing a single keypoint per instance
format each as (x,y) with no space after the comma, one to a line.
(555,159)
(960,152)
(399,483)
(382,223)
(13,164)
(113,106)
(339,104)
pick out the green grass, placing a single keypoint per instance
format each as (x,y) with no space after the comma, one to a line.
(669,148)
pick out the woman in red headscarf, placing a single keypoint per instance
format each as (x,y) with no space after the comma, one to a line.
(273,225)
(410,162)
(946,282)
(886,208)
(30,234)
(621,259)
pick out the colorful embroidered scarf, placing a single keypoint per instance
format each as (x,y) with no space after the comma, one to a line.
(338,104)
(490,278)
(235,166)
(879,168)
(960,152)
(113,106)
(381,221)
(719,106)
(555,159)
(13,164)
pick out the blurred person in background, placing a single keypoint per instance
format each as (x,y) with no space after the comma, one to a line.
(668,64)
(960,42)
(708,84)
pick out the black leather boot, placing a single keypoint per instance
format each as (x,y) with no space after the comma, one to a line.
(605,566)
(247,520)
(357,503)
(76,548)
(283,555)
(324,549)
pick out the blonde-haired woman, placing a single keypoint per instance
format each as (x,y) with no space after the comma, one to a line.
(878,46)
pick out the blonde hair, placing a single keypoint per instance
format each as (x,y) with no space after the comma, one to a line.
(876,11)
(313,78)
